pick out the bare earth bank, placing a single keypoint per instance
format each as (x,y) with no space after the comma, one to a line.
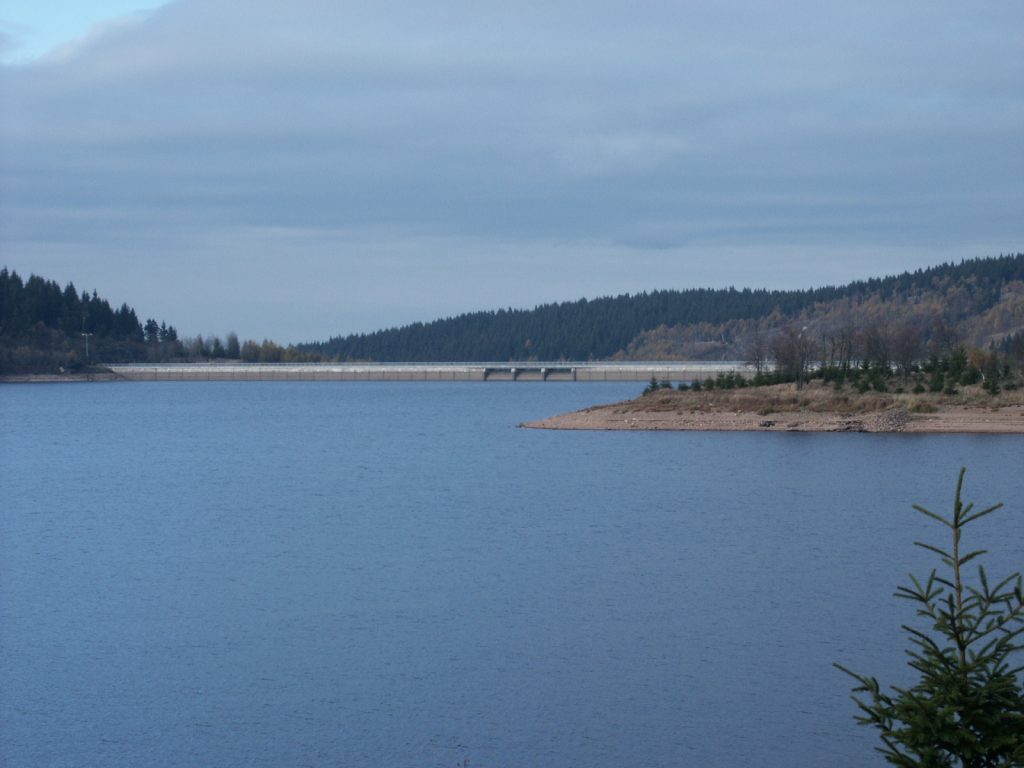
(816,408)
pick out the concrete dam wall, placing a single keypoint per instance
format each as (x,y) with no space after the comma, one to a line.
(684,371)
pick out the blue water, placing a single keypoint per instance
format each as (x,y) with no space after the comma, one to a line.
(350,574)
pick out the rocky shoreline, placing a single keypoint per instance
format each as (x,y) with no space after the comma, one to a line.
(775,409)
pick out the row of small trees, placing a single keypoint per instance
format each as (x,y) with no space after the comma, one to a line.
(164,344)
(797,350)
(270,352)
(936,374)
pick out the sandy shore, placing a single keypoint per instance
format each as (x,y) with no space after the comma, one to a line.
(777,410)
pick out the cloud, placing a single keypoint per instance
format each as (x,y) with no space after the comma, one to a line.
(9,43)
(566,129)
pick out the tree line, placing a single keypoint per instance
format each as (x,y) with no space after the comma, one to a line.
(605,327)
(25,305)
(48,329)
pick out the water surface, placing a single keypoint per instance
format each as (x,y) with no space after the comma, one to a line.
(349,574)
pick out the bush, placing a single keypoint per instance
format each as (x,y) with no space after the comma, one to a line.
(967,709)
(971,375)
(654,385)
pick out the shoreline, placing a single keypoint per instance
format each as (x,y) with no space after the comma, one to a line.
(769,409)
(58,378)
(783,409)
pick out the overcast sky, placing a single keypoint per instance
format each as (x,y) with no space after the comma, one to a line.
(299,170)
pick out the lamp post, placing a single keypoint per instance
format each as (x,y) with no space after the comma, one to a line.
(86,335)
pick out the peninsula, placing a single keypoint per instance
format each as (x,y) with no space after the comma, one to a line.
(817,407)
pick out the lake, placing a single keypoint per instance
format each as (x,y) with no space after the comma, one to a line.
(375,574)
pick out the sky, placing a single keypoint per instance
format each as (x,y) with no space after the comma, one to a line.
(32,28)
(312,168)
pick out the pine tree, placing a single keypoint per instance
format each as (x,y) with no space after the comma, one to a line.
(967,708)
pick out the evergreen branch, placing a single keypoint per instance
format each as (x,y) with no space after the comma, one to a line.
(977,515)
(976,553)
(946,557)
(934,516)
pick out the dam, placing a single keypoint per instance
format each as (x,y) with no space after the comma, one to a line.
(482,372)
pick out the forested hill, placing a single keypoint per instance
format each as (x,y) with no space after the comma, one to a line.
(609,327)
(43,327)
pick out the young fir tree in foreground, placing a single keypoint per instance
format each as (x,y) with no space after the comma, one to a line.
(967,708)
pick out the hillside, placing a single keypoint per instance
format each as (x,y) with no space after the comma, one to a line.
(975,302)
(930,318)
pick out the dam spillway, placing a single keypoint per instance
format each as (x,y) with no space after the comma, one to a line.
(482,372)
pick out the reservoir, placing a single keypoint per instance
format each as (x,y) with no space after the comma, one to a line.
(393,574)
